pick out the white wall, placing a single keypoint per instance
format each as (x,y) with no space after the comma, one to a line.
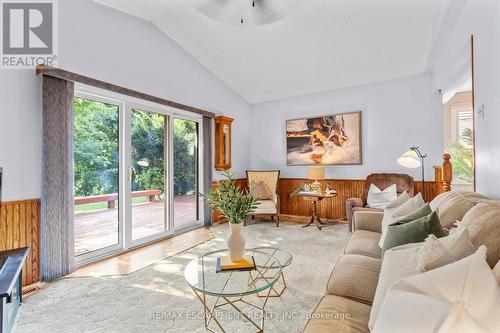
(115,47)
(397,114)
(480,18)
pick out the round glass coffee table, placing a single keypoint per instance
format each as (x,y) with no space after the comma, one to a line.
(284,260)
(233,288)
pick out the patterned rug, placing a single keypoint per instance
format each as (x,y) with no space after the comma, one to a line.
(157,299)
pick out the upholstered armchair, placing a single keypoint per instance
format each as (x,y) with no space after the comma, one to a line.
(382,181)
(264,185)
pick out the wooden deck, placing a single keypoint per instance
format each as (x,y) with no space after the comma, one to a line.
(98,229)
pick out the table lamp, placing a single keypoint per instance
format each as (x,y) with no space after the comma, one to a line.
(413,159)
(316,173)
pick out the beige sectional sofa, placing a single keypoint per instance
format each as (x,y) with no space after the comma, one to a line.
(353,281)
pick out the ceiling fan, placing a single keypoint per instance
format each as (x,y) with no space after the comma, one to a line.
(246,12)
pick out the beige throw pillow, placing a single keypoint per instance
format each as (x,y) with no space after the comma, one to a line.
(261,191)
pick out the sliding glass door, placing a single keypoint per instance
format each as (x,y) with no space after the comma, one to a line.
(148,157)
(96,175)
(136,174)
(186,172)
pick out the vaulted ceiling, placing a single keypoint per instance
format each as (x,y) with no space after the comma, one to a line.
(308,47)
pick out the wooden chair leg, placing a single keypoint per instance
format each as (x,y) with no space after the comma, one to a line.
(272,217)
(253,217)
(245,221)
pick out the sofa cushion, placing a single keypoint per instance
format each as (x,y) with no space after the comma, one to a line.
(355,277)
(364,243)
(452,206)
(336,314)
(483,224)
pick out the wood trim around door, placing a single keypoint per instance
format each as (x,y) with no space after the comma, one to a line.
(70,76)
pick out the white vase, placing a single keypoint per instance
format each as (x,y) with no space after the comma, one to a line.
(236,242)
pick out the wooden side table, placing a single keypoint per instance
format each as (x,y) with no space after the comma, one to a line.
(315,198)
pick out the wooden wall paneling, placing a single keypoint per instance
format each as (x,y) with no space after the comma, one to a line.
(19,227)
(333,209)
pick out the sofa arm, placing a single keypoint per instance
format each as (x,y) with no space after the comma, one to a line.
(369,221)
(350,204)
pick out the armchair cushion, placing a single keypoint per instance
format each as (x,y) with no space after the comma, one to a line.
(266,207)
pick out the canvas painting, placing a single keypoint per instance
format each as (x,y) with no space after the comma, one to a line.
(325,140)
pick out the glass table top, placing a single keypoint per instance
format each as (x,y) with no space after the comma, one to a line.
(284,257)
(201,274)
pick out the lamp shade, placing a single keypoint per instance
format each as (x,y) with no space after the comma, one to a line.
(316,173)
(410,159)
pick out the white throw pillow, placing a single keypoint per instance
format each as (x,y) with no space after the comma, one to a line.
(393,214)
(461,297)
(458,243)
(410,259)
(398,262)
(433,254)
(378,198)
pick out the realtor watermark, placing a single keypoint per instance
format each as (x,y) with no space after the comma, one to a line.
(254,315)
(29,33)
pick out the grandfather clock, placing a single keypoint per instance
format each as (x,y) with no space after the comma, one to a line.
(223,143)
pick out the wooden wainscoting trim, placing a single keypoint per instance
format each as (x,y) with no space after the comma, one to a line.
(328,209)
(20,226)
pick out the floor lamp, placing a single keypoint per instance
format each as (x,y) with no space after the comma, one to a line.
(413,159)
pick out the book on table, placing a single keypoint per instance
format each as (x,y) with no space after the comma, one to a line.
(224,264)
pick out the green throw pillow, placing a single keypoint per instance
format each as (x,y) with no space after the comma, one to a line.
(416,231)
(415,215)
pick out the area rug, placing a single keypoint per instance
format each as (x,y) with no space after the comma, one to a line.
(157,299)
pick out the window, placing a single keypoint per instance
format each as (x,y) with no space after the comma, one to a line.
(459,139)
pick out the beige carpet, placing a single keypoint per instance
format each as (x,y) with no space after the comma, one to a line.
(157,299)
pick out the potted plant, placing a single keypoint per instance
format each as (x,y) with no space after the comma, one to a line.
(234,204)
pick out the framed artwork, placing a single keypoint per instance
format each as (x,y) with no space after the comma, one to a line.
(324,140)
